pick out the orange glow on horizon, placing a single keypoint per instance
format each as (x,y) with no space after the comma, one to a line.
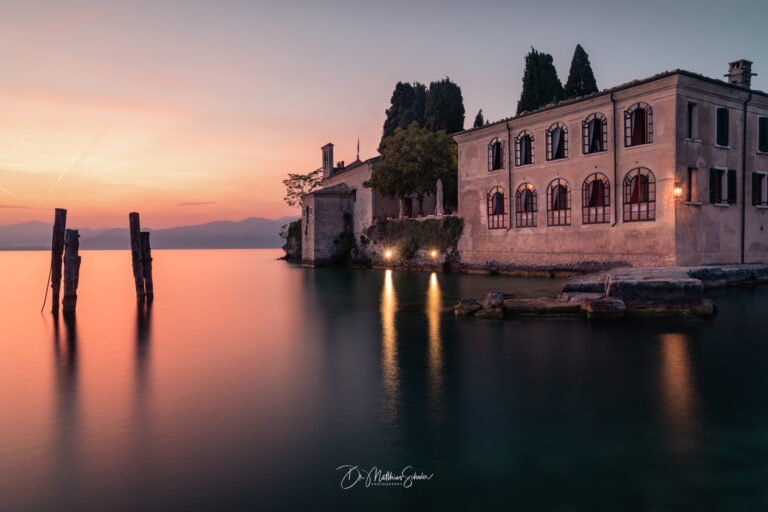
(102,160)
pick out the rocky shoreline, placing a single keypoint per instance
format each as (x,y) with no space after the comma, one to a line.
(623,292)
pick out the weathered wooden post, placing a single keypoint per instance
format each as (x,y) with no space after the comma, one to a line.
(57,248)
(138,272)
(146,265)
(71,270)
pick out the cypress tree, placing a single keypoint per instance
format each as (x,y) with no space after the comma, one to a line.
(445,107)
(581,80)
(541,85)
(479,121)
(406,106)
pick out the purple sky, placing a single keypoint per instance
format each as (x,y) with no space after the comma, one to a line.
(110,106)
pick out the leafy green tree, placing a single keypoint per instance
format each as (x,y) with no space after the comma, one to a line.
(541,85)
(581,80)
(413,160)
(479,121)
(407,105)
(291,233)
(445,107)
(297,184)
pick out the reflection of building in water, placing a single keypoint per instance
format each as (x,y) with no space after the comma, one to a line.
(390,373)
(678,389)
(435,349)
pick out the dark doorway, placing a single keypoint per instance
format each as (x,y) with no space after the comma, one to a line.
(408,207)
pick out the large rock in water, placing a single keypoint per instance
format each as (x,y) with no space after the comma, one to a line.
(639,289)
(494,300)
(466,307)
(546,307)
(603,307)
(722,276)
(585,283)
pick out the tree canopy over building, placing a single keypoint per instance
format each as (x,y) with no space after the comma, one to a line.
(541,86)
(479,120)
(581,79)
(406,106)
(298,184)
(441,107)
(413,160)
(444,109)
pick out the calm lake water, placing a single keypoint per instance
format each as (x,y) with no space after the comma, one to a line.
(250,381)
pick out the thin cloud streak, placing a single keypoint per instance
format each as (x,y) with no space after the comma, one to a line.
(86,152)
(8,192)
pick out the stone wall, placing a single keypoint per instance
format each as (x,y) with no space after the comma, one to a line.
(362,197)
(579,244)
(324,216)
(709,233)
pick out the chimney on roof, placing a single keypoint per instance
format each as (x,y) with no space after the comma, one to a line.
(740,73)
(327,160)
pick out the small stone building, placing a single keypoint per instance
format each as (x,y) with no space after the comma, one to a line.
(344,205)
(668,170)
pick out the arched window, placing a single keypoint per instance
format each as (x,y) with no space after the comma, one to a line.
(495,154)
(557,142)
(594,134)
(558,203)
(596,199)
(526,206)
(639,195)
(638,125)
(497,217)
(524,148)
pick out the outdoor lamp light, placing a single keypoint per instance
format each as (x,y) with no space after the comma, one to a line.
(387,254)
(434,253)
(678,191)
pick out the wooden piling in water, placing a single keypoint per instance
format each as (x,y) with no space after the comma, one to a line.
(146,265)
(71,270)
(57,249)
(136,254)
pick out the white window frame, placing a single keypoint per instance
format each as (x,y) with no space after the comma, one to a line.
(694,121)
(764,192)
(758,136)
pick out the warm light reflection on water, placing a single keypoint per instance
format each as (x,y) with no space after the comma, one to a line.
(435,348)
(679,390)
(390,372)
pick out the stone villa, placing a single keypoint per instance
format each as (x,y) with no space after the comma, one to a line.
(667,170)
(343,204)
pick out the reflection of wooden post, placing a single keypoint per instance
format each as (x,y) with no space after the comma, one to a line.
(57,248)
(146,264)
(71,270)
(138,273)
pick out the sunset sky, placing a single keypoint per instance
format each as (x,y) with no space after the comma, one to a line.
(194,111)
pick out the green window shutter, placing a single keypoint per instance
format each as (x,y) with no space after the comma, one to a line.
(762,128)
(731,186)
(755,188)
(722,126)
(712,185)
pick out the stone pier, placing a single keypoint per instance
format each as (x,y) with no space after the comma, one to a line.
(648,292)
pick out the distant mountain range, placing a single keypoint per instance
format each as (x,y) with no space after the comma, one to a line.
(250,233)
